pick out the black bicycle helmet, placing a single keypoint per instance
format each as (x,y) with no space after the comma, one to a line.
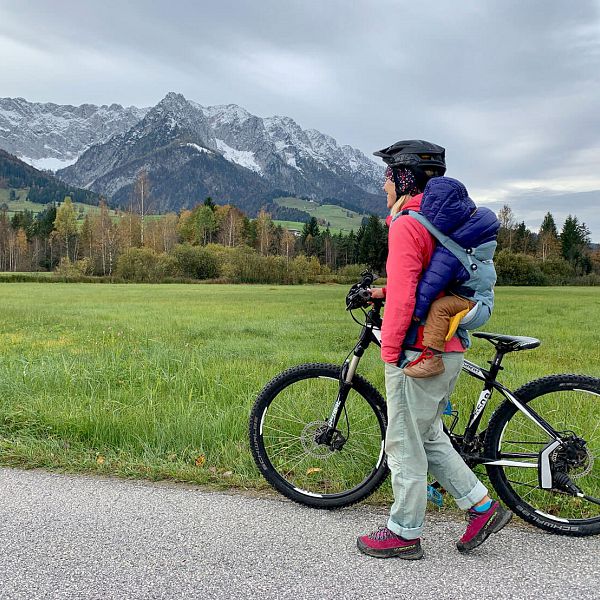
(418,155)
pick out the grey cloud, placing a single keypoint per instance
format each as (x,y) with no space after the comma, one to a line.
(531,208)
(511,88)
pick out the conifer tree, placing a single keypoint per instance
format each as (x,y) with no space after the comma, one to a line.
(373,244)
(575,239)
(310,237)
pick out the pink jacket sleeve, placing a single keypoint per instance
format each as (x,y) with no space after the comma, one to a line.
(409,251)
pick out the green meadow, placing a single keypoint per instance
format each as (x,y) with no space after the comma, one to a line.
(157,381)
(340,219)
(21,204)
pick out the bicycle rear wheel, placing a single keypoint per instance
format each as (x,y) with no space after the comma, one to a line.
(286,420)
(571,405)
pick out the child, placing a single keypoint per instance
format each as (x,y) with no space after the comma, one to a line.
(447,206)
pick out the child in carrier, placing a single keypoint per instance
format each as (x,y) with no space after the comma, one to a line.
(461,266)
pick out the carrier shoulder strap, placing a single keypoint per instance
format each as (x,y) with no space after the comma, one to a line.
(464,255)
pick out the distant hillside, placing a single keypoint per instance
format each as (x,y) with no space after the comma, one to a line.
(42,187)
(337,218)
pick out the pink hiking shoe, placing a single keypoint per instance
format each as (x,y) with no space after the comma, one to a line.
(384,543)
(482,525)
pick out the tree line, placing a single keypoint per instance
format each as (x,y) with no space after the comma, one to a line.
(212,241)
(548,256)
(195,243)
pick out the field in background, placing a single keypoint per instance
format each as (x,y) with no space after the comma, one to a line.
(340,219)
(21,204)
(157,380)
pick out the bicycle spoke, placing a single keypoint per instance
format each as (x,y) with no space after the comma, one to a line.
(290,426)
(572,414)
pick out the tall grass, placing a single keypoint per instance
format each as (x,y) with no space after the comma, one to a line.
(157,381)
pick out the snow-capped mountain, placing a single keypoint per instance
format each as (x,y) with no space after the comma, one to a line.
(181,136)
(53,136)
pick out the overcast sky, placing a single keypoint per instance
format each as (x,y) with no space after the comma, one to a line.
(510,88)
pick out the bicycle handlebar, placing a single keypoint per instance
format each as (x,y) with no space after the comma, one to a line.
(359,295)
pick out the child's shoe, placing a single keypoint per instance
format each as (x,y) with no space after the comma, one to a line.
(427,364)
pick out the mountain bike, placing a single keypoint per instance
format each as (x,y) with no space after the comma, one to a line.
(317,433)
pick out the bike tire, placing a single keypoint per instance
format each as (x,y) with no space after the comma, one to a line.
(364,405)
(568,396)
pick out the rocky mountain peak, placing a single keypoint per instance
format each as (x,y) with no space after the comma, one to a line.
(109,141)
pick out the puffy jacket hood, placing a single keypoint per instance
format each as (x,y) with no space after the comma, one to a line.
(446,204)
(482,227)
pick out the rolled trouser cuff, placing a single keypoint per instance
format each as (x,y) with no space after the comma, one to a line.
(406,533)
(476,495)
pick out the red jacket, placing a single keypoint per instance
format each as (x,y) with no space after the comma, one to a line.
(410,247)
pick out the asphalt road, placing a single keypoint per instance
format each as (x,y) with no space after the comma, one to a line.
(65,536)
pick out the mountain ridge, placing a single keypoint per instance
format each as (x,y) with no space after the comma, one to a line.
(275,151)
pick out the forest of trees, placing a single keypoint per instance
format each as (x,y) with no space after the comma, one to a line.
(220,242)
(205,242)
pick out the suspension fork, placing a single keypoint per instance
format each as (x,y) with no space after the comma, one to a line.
(347,375)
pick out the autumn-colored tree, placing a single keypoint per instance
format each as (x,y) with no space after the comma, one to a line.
(129,230)
(86,238)
(4,233)
(288,245)
(65,225)
(231,225)
(507,228)
(205,224)
(105,236)
(185,226)
(152,236)
(327,248)
(21,251)
(548,242)
(264,231)
(595,260)
(168,230)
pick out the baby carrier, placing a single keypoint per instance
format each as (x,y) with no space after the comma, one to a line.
(478,262)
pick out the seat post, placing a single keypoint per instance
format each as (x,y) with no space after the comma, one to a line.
(495,364)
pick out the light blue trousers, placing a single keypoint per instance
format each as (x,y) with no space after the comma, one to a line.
(416,444)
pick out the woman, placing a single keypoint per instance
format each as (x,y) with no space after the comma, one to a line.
(415,441)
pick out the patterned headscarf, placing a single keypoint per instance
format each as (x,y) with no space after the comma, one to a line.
(404,179)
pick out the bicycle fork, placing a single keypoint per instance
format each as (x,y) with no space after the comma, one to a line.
(331,435)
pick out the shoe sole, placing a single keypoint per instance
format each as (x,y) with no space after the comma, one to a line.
(404,554)
(486,531)
(420,376)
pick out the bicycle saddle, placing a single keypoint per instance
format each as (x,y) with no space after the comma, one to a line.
(508,343)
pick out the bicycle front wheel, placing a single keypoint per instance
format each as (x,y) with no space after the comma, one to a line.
(285,423)
(571,405)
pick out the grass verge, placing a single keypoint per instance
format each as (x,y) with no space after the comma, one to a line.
(157,381)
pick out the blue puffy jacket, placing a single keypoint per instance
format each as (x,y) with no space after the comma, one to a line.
(447,205)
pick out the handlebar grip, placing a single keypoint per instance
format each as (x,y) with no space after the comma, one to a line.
(367,278)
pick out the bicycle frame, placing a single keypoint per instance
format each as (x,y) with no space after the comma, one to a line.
(470,440)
